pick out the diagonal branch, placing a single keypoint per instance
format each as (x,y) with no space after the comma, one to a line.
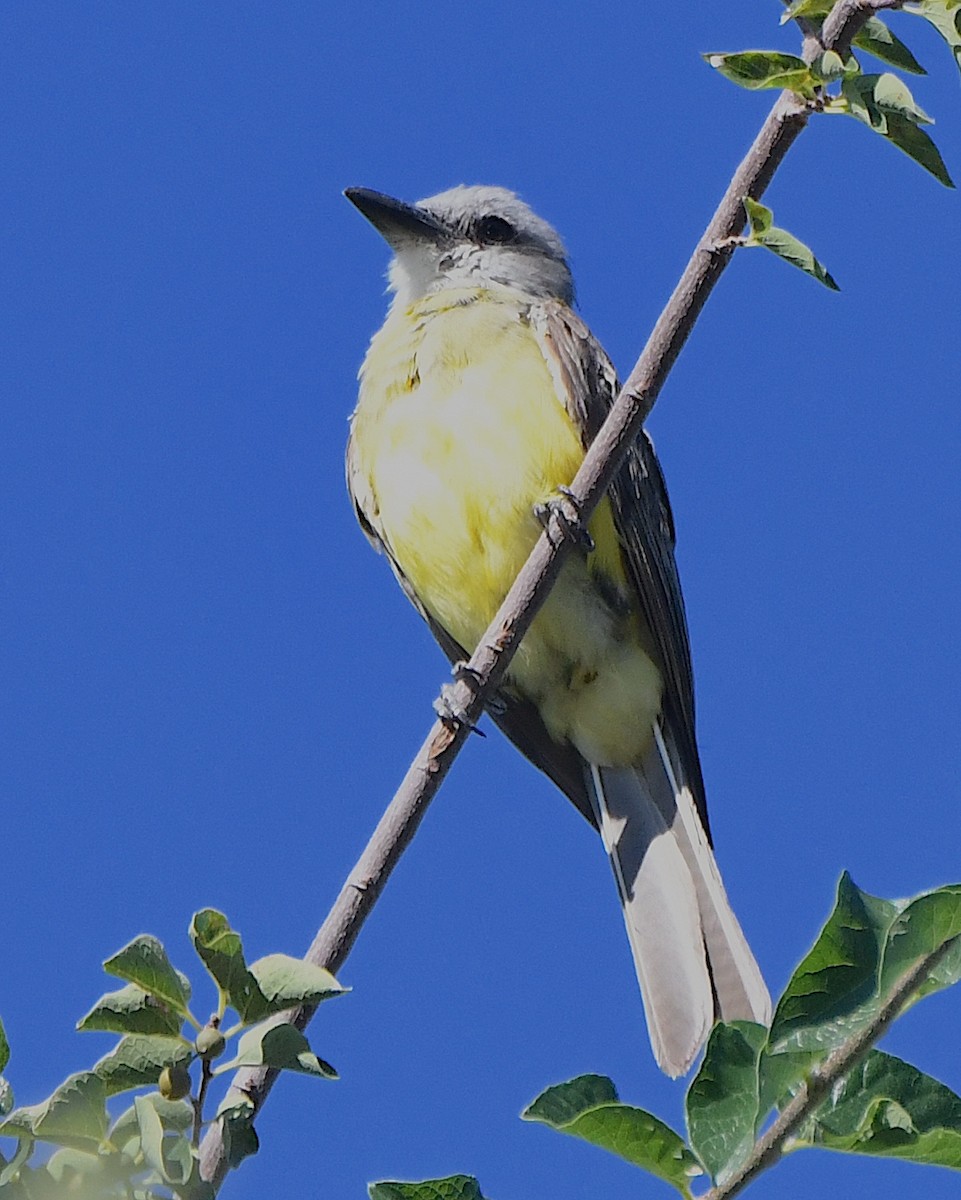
(487,665)
(817,1087)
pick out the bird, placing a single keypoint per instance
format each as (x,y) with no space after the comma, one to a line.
(477,400)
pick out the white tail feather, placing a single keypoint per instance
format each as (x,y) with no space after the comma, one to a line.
(741,992)
(692,960)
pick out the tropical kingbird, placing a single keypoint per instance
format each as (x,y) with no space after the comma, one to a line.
(477,400)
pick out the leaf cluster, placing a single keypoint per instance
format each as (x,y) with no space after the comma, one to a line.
(150,1150)
(834,84)
(867,953)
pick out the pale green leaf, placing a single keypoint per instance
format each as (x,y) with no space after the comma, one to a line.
(830,66)
(176,1116)
(145,963)
(792,251)
(885,104)
(277,1045)
(285,981)
(12,1169)
(131,1010)
(759,215)
(222,953)
(79,1172)
(74,1115)
(170,1157)
(138,1059)
(946,19)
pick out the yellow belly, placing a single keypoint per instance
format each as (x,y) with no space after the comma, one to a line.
(459,433)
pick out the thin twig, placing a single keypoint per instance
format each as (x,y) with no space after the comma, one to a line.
(487,665)
(816,1088)
(206,1074)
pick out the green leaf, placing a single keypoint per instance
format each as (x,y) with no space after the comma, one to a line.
(885,104)
(877,39)
(277,1045)
(780,1075)
(131,1010)
(919,146)
(454,1187)
(947,972)
(270,985)
(921,928)
(792,251)
(837,976)
(145,963)
(587,1107)
(887,1107)
(759,215)
(863,953)
(239,1137)
(783,244)
(285,981)
(723,1101)
(946,19)
(222,953)
(74,1115)
(4,1049)
(813,9)
(138,1059)
(756,69)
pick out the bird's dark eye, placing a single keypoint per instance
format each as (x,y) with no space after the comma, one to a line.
(494,230)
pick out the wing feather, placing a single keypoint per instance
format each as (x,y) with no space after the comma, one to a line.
(642,515)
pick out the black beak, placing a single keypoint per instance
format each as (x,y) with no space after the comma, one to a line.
(397,222)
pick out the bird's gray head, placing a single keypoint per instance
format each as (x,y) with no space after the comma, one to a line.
(467,237)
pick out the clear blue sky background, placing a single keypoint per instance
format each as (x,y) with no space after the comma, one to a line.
(211,685)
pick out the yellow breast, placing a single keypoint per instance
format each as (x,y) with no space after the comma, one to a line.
(458,434)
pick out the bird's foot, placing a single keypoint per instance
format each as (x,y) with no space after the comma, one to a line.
(449,709)
(566,508)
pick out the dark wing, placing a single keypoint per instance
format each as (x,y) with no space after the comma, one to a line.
(516,717)
(642,515)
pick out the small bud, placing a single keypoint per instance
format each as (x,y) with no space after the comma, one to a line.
(174,1082)
(210,1043)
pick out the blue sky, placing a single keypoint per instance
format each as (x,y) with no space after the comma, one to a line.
(211,685)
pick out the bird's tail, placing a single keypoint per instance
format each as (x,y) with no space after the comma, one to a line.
(693,962)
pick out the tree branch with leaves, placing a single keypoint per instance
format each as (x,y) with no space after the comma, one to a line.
(815,1070)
